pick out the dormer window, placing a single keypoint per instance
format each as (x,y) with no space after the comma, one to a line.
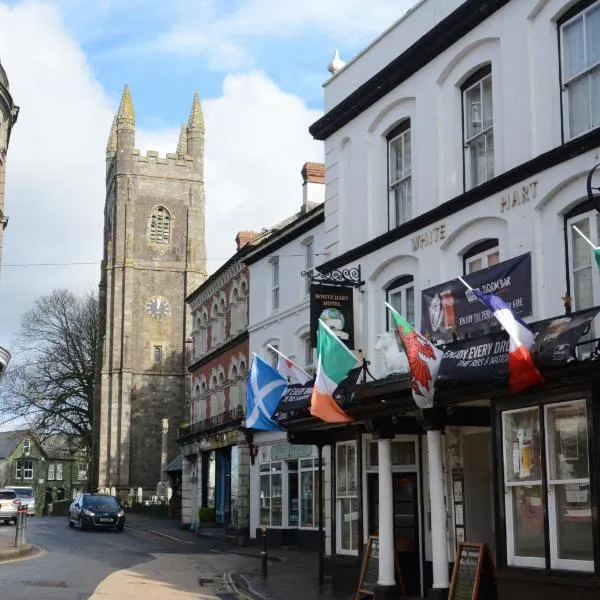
(26,448)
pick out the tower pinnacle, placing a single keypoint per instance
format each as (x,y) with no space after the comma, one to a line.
(126,113)
(182,143)
(196,117)
(111,146)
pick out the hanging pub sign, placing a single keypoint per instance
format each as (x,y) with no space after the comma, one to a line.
(450,307)
(486,357)
(334,306)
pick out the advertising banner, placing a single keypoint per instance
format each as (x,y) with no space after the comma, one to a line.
(486,357)
(451,308)
(333,305)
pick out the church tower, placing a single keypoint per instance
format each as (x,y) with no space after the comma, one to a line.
(154,256)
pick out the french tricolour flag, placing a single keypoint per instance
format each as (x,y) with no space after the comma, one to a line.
(522,372)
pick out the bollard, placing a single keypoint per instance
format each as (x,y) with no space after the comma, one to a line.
(19,529)
(24,528)
(263,553)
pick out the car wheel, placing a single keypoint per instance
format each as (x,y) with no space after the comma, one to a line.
(81,524)
(70,522)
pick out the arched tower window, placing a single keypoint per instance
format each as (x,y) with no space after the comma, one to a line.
(160,226)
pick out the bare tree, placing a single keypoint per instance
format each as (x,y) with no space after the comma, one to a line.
(50,384)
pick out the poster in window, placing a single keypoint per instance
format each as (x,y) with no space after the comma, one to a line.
(334,305)
(569,437)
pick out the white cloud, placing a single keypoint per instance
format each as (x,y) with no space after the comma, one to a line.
(257,141)
(226,38)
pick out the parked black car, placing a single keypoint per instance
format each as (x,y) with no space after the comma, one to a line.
(96,510)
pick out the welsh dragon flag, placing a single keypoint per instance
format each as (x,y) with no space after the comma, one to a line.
(423,359)
(335,361)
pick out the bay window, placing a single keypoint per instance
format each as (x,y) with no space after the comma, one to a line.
(580,48)
(546,470)
(347,497)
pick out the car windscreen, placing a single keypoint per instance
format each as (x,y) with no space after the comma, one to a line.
(7,495)
(24,492)
(100,502)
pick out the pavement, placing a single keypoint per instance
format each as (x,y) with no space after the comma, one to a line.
(291,574)
(8,551)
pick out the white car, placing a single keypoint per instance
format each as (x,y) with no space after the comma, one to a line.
(27,497)
(9,506)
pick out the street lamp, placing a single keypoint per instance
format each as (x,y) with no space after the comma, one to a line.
(593,192)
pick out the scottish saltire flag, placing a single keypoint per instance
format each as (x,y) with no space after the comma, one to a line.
(522,372)
(263,393)
(335,361)
(423,359)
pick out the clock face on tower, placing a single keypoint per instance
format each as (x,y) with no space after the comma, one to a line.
(158,307)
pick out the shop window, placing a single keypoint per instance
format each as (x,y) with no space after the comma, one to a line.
(562,490)
(580,48)
(309,493)
(347,497)
(478,127)
(271,495)
(481,256)
(400,175)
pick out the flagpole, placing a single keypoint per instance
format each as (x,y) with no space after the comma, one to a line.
(286,358)
(465,283)
(584,236)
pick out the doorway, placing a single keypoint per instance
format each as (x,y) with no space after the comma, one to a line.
(223,486)
(479,488)
(406,524)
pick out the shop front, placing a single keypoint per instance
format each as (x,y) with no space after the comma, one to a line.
(285,493)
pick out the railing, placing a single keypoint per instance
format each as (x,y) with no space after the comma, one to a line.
(229,416)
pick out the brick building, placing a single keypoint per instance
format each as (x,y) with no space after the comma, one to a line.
(215,452)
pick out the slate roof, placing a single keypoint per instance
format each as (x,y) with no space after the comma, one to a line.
(9,440)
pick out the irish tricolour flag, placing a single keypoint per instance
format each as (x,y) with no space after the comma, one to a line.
(423,359)
(334,361)
(522,372)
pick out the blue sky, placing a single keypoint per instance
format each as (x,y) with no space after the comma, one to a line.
(259,66)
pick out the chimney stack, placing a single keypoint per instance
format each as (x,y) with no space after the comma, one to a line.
(313,185)
(243,238)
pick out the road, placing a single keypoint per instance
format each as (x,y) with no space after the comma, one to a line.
(97,565)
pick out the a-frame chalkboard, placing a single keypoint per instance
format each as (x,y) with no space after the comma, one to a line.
(369,571)
(472,562)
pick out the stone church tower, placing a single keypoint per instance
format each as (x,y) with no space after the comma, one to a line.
(154,256)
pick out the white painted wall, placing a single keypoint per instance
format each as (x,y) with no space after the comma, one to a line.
(285,326)
(520,42)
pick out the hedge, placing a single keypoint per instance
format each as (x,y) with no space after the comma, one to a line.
(159,511)
(60,508)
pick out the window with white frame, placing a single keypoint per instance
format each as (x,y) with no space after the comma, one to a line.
(82,472)
(275,283)
(51,472)
(307,351)
(214,326)
(400,293)
(24,469)
(271,494)
(347,497)
(399,175)
(272,356)
(580,49)
(478,127)
(584,275)
(26,448)
(481,256)
(309,262)
(59,472)
(562,489)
